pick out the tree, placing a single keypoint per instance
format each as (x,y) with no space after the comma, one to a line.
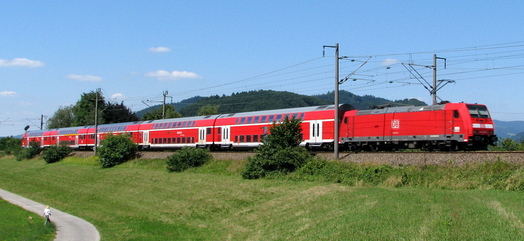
(208,110)
(116,149)
(280,152)
(116,113)
(10,145)
(156,114)
(84,109)
(63,117)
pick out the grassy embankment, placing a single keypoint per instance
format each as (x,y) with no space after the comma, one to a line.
(19,224)
(139,200)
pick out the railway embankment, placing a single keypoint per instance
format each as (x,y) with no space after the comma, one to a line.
(391,158)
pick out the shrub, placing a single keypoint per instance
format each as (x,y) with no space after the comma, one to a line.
(186,158)
(29,152)
(10,145)
(280,152)
(56,153)
(116,149)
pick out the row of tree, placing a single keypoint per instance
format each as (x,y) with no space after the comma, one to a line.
(83,112)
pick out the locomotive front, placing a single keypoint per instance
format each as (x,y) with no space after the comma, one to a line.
(482,131)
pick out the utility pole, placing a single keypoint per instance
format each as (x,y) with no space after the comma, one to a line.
(336,100)
(41,122)
(96,119)
(434,88)
(164,104)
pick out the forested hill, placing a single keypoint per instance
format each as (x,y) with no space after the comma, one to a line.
(367,101)
(269,99)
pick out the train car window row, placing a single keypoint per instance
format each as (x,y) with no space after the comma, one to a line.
(67,142)
(249,138)
(268,118)
(173,140)
(178,124)
(112,128)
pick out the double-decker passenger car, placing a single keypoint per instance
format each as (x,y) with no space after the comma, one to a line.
(449,126)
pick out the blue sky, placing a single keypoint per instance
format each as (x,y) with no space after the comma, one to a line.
(52,51)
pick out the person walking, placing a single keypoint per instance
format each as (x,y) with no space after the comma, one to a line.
(47,214)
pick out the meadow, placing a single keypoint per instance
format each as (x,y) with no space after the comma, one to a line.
(19,224)
(140,200)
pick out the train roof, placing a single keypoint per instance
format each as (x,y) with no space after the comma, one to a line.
(401,109)
(121,126)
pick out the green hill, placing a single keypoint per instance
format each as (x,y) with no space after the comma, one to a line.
(270,99)
(253,101)
(366,101)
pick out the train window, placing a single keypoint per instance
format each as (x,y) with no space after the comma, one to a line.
(263,119)
(255,138)
(208,131)
(248,138)
(178,140)
(219,131)
(250,120)
(271,118)
(256,119)
(478,111)
(279,117)
(243,120)
(236,138)
(456,114)
(241,138)
(345,120)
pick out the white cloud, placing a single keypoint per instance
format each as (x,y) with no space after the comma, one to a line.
(7,93)
(86,77)
(160,49)
(118,96)
(173,75)
(20,62)
(389,62)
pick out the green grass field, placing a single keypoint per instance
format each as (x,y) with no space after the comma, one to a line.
(19,224)
(140,200)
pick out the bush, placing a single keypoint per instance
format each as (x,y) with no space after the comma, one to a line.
(56,153)
(280,152)
(10,145)
(29,152)
(116,149)
(186,158)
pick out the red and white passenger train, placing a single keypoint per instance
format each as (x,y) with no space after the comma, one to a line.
(452,126)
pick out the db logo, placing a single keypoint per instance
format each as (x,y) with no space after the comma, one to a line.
(395,124)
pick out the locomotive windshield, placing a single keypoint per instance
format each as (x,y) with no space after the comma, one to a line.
(478,111)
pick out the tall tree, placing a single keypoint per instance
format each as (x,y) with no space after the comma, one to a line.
(208,110)
(84,109)
(116,113)
(63,117)
(156,114)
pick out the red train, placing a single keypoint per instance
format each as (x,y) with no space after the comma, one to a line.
(452,126)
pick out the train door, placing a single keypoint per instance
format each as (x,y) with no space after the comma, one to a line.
(145,138)
(202,135)
(225,135)
(315,130)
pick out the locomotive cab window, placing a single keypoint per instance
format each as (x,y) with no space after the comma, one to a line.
(345,120)
(456,114)
(478,111)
